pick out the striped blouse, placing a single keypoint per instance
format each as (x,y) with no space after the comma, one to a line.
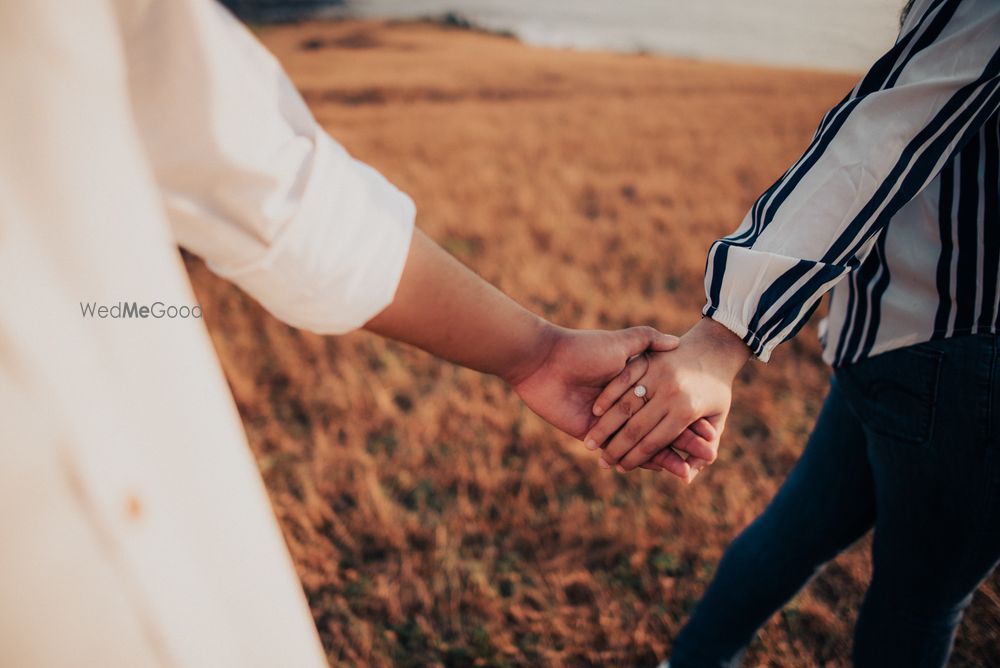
(894,206)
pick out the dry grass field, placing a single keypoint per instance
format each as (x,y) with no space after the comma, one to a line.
(434,520)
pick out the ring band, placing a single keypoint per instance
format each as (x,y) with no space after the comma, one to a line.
(640,391)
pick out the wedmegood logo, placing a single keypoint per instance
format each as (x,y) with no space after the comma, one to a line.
(125,310)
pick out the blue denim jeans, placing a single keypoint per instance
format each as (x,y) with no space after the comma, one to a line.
(908,442)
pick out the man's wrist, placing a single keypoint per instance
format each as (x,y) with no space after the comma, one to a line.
(543,338)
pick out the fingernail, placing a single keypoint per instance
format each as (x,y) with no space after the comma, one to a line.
(603,464)
(590,444)
(598,410)
(620,469)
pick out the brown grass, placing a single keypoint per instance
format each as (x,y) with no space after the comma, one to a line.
(434,520)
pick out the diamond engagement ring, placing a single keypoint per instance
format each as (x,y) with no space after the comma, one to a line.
(640,391)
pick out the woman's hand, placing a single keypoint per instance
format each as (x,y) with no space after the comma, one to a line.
(569,369)
(445,309)
(691,385)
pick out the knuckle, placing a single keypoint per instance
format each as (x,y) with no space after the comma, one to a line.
(631,433)
(648,447)
(626,408)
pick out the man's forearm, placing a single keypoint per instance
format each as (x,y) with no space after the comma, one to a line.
(444,308)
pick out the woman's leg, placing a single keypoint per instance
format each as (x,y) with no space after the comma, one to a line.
(934,446)
(826,504)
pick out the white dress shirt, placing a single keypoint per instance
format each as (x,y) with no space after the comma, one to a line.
(136,529)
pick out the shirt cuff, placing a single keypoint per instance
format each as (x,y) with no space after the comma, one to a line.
(759,348)
(338,262)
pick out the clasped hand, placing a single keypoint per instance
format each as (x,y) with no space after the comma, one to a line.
(584,384)
(677,422)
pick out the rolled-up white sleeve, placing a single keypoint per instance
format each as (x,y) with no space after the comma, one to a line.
(250,181)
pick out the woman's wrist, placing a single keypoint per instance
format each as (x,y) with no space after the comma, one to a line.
(728,351)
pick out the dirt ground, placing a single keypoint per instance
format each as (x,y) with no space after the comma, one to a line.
(432,518)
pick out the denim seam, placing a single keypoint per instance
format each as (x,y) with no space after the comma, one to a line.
(989,382)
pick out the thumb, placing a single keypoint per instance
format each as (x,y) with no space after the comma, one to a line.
(640,339)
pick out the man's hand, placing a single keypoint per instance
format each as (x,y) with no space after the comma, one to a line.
(442,307)
(691,383)
(570,368)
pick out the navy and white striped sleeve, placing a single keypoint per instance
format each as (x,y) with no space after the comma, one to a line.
(872,153)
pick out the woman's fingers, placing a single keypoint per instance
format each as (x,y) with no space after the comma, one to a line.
(671,462)
(617,415)
(667,425)
(690,453)
(632,432)
(623,382)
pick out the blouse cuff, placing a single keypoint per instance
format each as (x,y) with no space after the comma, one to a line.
(759,348)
